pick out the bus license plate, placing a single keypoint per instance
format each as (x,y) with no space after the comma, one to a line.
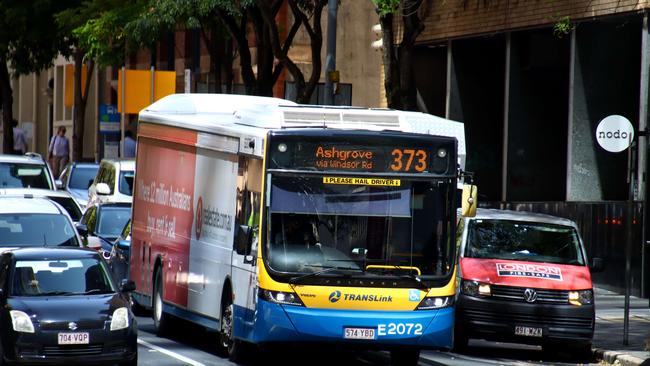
(528,331)
(358,333)
(74,338)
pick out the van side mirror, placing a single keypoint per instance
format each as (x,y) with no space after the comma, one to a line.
(102,189)
(597,265)
(82,229)
(469,200)
(244,240)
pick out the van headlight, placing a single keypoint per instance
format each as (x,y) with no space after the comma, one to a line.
(21,322)
(281,297)
(120,319)
(474,288)
(436,302)
(583,297)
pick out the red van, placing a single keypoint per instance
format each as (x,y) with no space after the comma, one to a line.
(524,278)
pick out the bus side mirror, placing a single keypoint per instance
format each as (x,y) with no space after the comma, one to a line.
(597,265)
(244,240)
(469,200)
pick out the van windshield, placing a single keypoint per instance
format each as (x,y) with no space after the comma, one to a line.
(524,241)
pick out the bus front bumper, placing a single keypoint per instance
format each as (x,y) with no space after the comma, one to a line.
(286,323)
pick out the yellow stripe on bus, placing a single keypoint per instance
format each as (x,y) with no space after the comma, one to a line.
(362,181)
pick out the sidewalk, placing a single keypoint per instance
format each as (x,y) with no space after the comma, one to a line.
(608,337)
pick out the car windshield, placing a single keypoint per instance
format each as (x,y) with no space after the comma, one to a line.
(111,220)
(397,230)
(82,177)
(60,277)
(13,175)
(524,241)
(126,182)
(28,230)
(70,206)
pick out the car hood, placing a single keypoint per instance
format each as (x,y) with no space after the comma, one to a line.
(526,274)
(69,308)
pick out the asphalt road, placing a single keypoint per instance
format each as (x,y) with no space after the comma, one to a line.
(189,344)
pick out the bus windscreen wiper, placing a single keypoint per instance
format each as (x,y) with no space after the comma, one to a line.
(295,280)
(410,275)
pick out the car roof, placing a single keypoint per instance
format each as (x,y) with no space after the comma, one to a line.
(85,165)
(495,214)
(124,164)
(22,159)
(113,203)
(21,205)
(34,192)
(34,253)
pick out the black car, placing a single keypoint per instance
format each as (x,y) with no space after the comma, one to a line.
(102,223)
(61,306)
(118,259)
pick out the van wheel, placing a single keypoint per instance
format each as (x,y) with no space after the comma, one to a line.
(233,347)
(405,357)
(460,342)
(160,319)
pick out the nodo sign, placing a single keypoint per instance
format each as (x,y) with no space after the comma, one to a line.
(614,133)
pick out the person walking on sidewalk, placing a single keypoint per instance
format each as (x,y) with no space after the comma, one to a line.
(58,153)
(20,141)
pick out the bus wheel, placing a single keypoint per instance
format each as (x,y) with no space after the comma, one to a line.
(232,346)
(405,357)
(160,319)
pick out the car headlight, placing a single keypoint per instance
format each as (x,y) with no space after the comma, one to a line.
(21,322)
(436,302)
(579,298)
(474,288)
(280,297)
(120,319)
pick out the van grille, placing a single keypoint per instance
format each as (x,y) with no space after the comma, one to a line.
(544,296)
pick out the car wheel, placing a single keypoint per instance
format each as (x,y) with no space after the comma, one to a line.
(160,319)
(132,362)
(233,347)
(405,357)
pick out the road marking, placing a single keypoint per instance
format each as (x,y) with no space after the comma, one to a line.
(175,355)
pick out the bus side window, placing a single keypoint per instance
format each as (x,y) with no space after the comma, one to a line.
(249,195)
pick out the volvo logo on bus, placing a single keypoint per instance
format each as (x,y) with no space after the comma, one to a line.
(335,296)
(530,295)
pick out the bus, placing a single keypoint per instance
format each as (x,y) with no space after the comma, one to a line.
(272,222)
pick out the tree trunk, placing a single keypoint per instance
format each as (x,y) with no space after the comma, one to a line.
(391,66)
(7,104)
(80,103)
(214,42)
(412,29)
(238,32)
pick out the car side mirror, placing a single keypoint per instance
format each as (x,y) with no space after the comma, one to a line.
(127,285)
(469,200)
(597,265)
(244,240)
(124,245)
(58,183)
(82,229)
(103,189)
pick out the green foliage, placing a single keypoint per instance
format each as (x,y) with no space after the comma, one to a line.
(385,7)
(562,26)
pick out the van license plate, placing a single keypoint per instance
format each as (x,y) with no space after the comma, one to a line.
(358,333)
(528,331)
(74,338)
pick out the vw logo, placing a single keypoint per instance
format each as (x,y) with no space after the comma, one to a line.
(72,326)
(530,295)
(335,296)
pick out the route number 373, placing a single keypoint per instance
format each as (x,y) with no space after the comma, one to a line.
(405,160)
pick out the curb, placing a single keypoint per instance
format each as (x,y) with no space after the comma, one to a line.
(618,358)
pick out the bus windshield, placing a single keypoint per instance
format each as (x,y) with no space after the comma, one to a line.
(387,227)
(525,241)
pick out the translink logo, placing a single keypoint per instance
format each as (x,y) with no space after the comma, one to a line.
(336,296)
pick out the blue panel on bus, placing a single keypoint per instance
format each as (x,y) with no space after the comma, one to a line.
(426,328)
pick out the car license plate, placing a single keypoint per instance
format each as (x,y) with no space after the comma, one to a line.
(528,331)
(74,338)
(359,333)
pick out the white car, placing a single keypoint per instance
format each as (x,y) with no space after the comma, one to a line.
(114,182)
(35,222)
(25,171)
(63,198)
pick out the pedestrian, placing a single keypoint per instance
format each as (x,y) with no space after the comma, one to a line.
(129,145)
(58,153)
(20,141)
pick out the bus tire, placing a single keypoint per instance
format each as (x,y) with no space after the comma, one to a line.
(160,319)
(231,346)
(405,357)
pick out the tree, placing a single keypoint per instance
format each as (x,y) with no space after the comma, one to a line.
(29,41)
(398,65)
(96,33)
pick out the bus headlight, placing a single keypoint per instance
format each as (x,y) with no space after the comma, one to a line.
(281,297)
(21,322)
(436,302)
(579,298)
(474,288)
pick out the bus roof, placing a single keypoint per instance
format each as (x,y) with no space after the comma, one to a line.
(246,116)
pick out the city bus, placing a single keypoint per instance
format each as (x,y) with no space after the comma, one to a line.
(272,222)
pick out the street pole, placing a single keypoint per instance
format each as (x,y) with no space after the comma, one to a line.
(330,59)
(628,244)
